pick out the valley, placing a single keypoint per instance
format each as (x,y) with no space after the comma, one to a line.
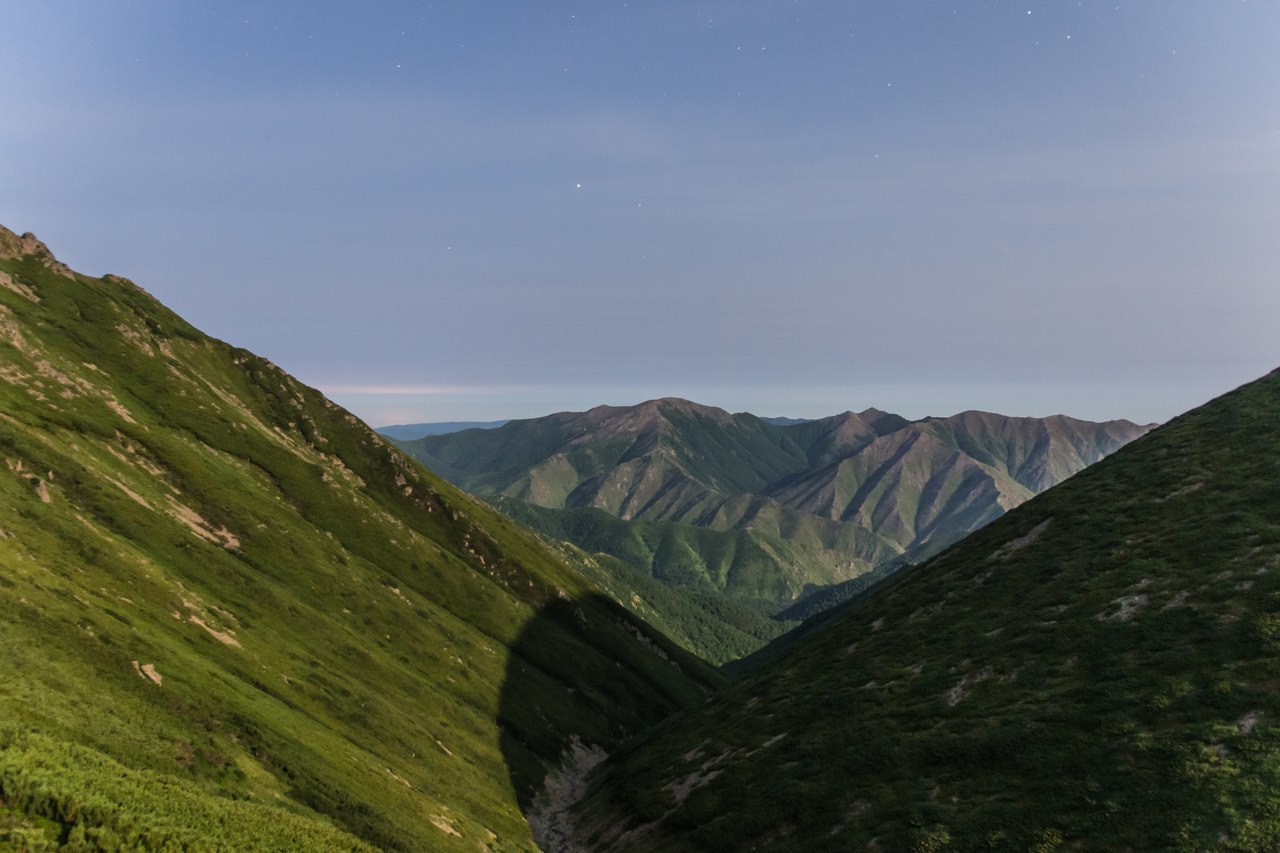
(709,427)
(236,617)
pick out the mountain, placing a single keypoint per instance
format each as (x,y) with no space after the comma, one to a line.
(717,627)
(801,506)
(233,617)
(408,432)
(1097,669)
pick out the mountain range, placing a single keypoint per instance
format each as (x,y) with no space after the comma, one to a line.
(408,432)
(767,512)
(1097,669)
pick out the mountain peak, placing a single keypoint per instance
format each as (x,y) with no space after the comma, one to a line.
(849,429)
(651,413)
(678,404)
(847,420)
(13,245)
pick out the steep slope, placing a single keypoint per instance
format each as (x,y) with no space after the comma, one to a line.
(665,459)
(758,565)
(1097,669)
(232,616)
(829,440)
(716,626)
(812,504)
(927,484)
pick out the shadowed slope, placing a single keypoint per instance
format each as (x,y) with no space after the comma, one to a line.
(560,666)
(1098,668)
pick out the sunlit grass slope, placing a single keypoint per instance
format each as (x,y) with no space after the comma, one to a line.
(716,627)
(233,617)
(1098,669)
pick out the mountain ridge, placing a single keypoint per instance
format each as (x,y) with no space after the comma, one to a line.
(408,432)
(1097,668)
(833,498)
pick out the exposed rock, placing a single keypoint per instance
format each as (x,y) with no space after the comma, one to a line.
(15,246)
(549,819)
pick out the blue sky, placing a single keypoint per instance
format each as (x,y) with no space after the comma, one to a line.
(446,211)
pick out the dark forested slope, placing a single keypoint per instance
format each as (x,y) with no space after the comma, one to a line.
(1097,669)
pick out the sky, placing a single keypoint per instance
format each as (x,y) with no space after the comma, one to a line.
(472,211)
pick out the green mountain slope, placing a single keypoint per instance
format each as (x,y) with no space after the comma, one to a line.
(233,617)
(717,627)
(802,506)
(1097,669)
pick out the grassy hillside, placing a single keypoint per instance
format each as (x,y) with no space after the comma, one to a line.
(765,513)
(1098,669)
(717,627)
(232,616)
(754,566)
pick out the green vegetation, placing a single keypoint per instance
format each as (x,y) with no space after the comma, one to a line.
(78,798)
(679,555)
(782,519)
(229,596)
(714,626)
(1096,669)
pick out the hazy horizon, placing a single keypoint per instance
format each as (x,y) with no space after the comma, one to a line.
(498,404)
(466,212)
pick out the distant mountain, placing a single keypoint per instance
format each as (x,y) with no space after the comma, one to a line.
(1096,670)
(232,617)
(786,421)
(808,505)
(408,432)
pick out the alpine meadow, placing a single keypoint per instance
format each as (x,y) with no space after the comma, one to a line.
(235,618)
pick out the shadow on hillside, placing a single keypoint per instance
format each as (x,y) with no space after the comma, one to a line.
(580,670)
